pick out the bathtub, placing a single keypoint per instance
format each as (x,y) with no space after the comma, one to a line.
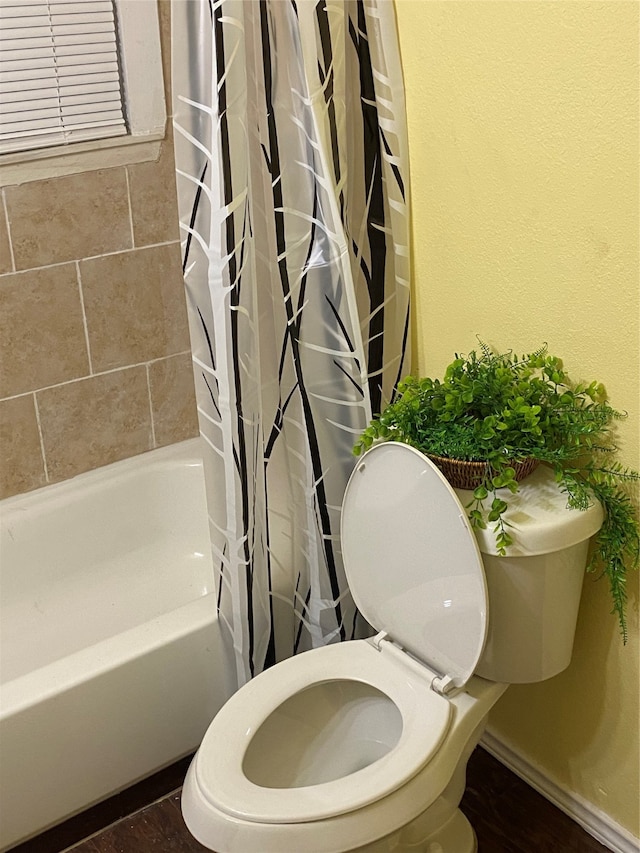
(111,659)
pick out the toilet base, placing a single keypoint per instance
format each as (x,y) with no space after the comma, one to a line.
(456,836)
(442,828)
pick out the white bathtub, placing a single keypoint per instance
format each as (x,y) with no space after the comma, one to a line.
(111,661)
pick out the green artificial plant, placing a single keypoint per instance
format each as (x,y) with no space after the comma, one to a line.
(502,408)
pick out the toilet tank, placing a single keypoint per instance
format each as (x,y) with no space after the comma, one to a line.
(534,591)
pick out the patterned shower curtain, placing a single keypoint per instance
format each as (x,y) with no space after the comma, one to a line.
(291,163)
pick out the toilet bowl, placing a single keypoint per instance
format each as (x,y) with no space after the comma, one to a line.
(362,746)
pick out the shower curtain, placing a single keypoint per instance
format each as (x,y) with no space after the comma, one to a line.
(291,165)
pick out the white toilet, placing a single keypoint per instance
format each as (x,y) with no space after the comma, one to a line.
(363,745)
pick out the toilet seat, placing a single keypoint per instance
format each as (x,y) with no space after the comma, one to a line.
(412,560)
(426,717)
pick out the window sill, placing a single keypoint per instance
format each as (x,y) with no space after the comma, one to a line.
(25,166)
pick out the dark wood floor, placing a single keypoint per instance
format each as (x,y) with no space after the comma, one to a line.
(508,816)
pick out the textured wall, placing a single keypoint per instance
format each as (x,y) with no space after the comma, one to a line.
(95,360)
(523,124)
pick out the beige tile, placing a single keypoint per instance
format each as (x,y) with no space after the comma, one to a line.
(154,206)
(173,402)
(95,421)
(42,338)
(21,465)
(68,218)
(5,249)
(135,306)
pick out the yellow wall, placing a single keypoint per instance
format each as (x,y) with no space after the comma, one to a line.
(523,137)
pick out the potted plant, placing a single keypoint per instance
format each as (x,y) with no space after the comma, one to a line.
(493,418)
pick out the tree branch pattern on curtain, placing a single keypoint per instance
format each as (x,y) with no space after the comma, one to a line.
(291,165)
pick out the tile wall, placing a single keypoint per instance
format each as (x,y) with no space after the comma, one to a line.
(95,362)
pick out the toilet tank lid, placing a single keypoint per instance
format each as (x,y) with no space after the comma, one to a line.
(540,522)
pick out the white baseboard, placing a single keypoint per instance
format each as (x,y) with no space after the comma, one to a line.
(592,819)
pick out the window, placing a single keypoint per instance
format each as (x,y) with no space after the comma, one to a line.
(76,75)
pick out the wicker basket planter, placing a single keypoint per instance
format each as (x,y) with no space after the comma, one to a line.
(468,475)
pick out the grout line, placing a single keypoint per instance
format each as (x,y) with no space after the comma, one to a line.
(84,317)
(99,373)
(133,238)
(9,240)
(44,455)
(95,257)
(153,427)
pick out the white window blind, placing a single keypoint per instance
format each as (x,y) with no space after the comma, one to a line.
(60,78)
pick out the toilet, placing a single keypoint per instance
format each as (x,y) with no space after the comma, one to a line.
(363,745)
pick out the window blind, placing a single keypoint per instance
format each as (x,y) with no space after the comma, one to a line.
(60,78)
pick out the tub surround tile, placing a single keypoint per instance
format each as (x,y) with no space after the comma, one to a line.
(42,339)
(135,306)
(6,264)
(90,285)
(154,207)
(95,421)
(173,403)
(21,463)
(67,218)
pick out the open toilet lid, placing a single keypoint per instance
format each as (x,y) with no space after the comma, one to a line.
(412,560)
